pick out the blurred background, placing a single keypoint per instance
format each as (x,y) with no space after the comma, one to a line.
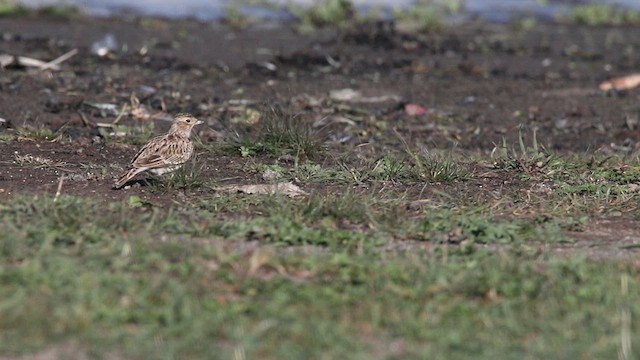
(492,10)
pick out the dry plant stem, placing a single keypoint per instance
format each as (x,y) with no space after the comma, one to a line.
(59,60)
(85,121)
(31,62)
(122,112)
(59,190)
(625,315)
(41,65)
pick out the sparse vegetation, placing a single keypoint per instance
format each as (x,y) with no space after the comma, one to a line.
(530,161)
(311,172)
(11,8)
(156,279)
(35,133)
(38,162)
(434,167)
(131,135)
(14,8)
(188,177)
(279,133)
(337,13)
(234,17)
(427,15)
(604,14)
(6,137)
(62,11)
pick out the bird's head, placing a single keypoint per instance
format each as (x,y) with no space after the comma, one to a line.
(183,123)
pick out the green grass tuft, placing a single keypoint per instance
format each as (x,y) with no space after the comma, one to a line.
(132,135)
(12,8)
(434,167)
(188,177)
(279,133)
(325,13)
(603,14)
(36,133)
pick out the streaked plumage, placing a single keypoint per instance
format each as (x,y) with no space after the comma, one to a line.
(165,153)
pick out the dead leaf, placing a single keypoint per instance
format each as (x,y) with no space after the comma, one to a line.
(350,95)
(621,83)
(285,188)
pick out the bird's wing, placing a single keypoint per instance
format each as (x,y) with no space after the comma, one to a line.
(150,148)
(159,153)
(179,152)
(152,154)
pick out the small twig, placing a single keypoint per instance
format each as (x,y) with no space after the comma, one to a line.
(27,61)
(59,191)
(135,102)
(161,116)
(104,125)
(84,119)
(60,59)
(625,314)
(122,111)
(163,105)
(6,60)
(242,102)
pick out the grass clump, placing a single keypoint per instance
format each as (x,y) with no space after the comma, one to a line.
(603,14)
(620,175)
(62,11)
(424,166)
(350,208)
(36,133)
(188,177)
(385,168)
(454,226)
(234,17)
(280,133)
(434,167)
(531,161)
(389,168)
(7,137)
(312,172)
(325,13)
(282,230)
(131,135)
(12,8)
(590,199)
(427,15)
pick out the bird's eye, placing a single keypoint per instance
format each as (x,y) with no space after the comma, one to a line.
(188,121)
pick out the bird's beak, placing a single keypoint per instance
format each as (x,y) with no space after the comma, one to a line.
(199,122)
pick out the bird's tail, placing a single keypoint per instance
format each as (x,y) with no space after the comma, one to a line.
(126,177)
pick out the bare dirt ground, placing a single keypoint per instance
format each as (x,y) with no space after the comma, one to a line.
(479,85)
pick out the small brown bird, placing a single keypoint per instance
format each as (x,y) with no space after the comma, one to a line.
(164,153)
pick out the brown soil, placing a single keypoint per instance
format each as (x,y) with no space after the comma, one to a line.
(480,84)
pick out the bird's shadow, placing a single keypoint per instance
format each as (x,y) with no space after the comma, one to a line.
(147,182)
